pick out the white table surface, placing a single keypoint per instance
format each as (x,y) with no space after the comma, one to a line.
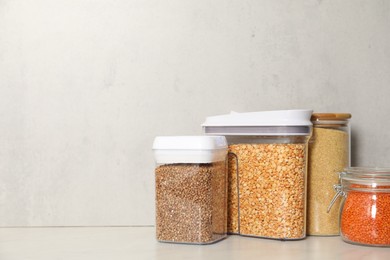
(139,243)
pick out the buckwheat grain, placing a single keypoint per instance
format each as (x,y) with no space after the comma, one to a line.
(191,202)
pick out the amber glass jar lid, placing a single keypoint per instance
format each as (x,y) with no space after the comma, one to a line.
(330,116)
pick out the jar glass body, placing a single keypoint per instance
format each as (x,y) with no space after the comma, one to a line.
(191,202)
(267,186)
(329,153)
(365,209)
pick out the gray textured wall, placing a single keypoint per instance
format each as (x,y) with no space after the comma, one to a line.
(86,85)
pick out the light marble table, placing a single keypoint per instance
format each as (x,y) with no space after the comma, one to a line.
(111,243)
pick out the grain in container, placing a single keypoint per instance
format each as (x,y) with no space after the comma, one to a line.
(191,188)
(329,153)
(267,171)
(365,206)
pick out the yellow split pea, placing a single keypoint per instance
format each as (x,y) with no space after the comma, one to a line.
(271,188)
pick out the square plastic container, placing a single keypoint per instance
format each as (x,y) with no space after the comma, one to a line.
(267,171)
(191,189)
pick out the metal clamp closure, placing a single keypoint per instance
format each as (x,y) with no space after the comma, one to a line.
(339,192)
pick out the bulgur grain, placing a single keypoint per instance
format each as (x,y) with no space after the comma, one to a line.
(328,155)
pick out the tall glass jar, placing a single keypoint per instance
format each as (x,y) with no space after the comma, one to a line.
(365,208)
(329,153)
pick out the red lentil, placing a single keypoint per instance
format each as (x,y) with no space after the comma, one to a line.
(365,217)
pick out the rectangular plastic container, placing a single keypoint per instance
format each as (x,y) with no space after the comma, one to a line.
(267,171)
(191,189)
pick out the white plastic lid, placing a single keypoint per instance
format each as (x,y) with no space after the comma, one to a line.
(270,123)
(189,149)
